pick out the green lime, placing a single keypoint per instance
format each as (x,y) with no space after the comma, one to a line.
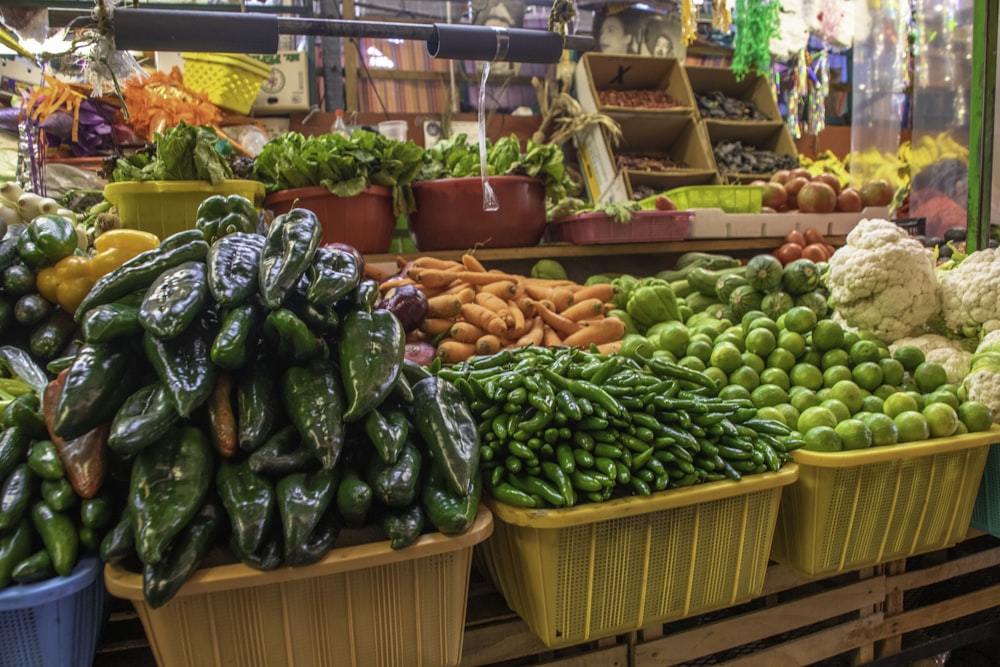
(800,319)
(753,361)
(735,341)
(694,363)
(917,397)
(940,396)
(929,376)
(768,395)
(764,323)
(806,375)
(962,429)
(854,434)
(950,388)
(781,358)
(790,413)
(850,338)
(793,342)
(812,357)
(734,392)
(815,416)
(942,419)
(804,399)
(849,393)
(673,337)
(827,335)
(700,349)
(718,376)
(760,342)
(867,375)
(872,403)
(883,428)
(910,356)
(823,394)
(726,356)
(835,357)
(745,377)
(864,350)
(705,328)
(892,371)
(775,376)
(976,416)
(665,355)
(835,374)
(701,336)
(771,412)
(885,391)
(750,317)
(821,439)
(780,322)
(838,408)
(912,426)
(899,403)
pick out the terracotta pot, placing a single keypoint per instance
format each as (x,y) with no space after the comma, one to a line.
(365,221)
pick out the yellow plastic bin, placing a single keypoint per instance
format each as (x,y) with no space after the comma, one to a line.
(598,570)
(167,207)
(730,198)
(361,605)
(857,509)
(231,81)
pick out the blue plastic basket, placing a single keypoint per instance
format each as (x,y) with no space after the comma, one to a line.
(54,623)
(986,513)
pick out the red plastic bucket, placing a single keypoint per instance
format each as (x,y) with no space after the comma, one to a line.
(365,221)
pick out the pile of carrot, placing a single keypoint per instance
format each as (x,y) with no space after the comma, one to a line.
(475,311)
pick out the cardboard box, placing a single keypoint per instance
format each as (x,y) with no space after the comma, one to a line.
(601,179)
(287,88)
(771,136)
(753,88)
(597,71)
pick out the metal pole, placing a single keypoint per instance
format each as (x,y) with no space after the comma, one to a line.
(333,83)
(981,128)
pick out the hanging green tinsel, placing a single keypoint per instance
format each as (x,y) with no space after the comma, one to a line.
(756,21)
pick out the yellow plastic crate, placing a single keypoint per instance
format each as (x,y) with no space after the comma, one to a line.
(361,605)
(167,207)
(598,570)
(857,509)
(730,198)
(231,81)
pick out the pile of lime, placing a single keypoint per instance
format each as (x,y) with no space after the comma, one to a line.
(842,390)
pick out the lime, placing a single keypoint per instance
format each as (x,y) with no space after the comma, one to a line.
(942,419)
(760,342)
(892,371)
(803,399)
(701,336)
(806,375)
(838,408)
(768,395)
(854,434)
(732,339)
(872,403)
(793,342)
(771,412)
(827,335)
(694,363)
(918,397)
(790,413)
(975,416)
(812,357)
(815,416)
(849,393)
(912,426)
(885,391)
(929,376)
(867,375)
(883,428)
(665,355)
(764,323)
(823,394)
(833,358)
(673,337)
(718,376)
(940,396)
(700,349)
(705,328)
(950,388)
(733,392)
(775,376)
(750,317)
(898,403)
(746,377)
(753,361)
(850,338)
(835,374)
(864,350)
(962,429)
(726,356)
(781,358)
(822,439)
(800,319)
(910,356)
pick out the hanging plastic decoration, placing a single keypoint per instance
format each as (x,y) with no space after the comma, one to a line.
(106,68)
(689,21)
(799,91)
(819,91)
(721,18)
(794,33)
(832,21)
(757,21)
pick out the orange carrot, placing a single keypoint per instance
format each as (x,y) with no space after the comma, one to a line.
(608,348)
(584,310)
(444,306)
(550,338)
(505,289)
(452,351)
(372,272)
(534,335)
(484,318)
(436,325)
(434,263)
(561,297)
(484,277)
(518,318)
(546,283)
(431,277)
(396,281)
(527,306)
(472,264)
(598,331)
(467,295)
(494,303)
(557,322)
(602,291)
(455,287)
(466,332)
(488,344)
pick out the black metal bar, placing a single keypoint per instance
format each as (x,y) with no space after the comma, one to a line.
(938,645)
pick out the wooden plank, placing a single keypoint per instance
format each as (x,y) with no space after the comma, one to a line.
(756,625)
(893,606)
(780,578)
(866,651)
(944,571)
(947,610)
(616,656)
(813,647)
(498,642)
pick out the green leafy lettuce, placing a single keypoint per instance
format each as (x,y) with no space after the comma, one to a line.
(183,153)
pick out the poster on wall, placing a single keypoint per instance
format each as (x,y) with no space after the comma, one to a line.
(629,30)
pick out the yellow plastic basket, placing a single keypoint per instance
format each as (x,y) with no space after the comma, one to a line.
(167,207)
(231,81)
(361,605)
(730,198)
(598,570)
(857,509)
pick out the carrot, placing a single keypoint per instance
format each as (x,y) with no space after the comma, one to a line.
(484,318)
(488,344)
(598,331)
(608,348)
(584,310)
(395,281)
(561,297)
(432,277)
(445,306)
(436,325)
(518,318)
(550,338)
(472,264)
(527,305)
(455,287)
(602,291)
(372,272)
(546,283)
(494,303)
(467,295)
(466,332)
(452,351)
(505,289)
(557,322)
(483,277)
(433,263)
(534,335)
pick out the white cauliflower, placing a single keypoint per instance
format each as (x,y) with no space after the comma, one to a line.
(883,281)
(947,352)
(969,304)
(983,381)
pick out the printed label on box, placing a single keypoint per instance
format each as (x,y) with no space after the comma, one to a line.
(604,184)
(286,89)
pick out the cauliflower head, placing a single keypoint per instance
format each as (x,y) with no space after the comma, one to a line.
(883,281)
(969,304)
(983,381)
(947,352)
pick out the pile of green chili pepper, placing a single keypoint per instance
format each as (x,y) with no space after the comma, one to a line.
(562,426)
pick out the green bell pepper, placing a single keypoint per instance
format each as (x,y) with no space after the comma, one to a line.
(58,493)
(371,356)
(395,484)
(250,502)
(233,268)
(314,401)
(174,300)
(184,364)
(257,403)
(219,216)
(109,321)
(237,338)
(92,390)
(46,240)
(16,494)
(162,580)
(292,339)
(652,301)
(332,275)
(308,529)
(402,527)
(44,461)
(119,542)
(449,512)
(289,248)
(354,499)
(283,453)
(144,417)
(449,430)
(387,433)
(25,412)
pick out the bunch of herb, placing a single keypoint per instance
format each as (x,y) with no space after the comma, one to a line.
(344,166)
(182,153)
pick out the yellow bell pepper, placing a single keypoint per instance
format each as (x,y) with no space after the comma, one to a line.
(117,246)
(67,281)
